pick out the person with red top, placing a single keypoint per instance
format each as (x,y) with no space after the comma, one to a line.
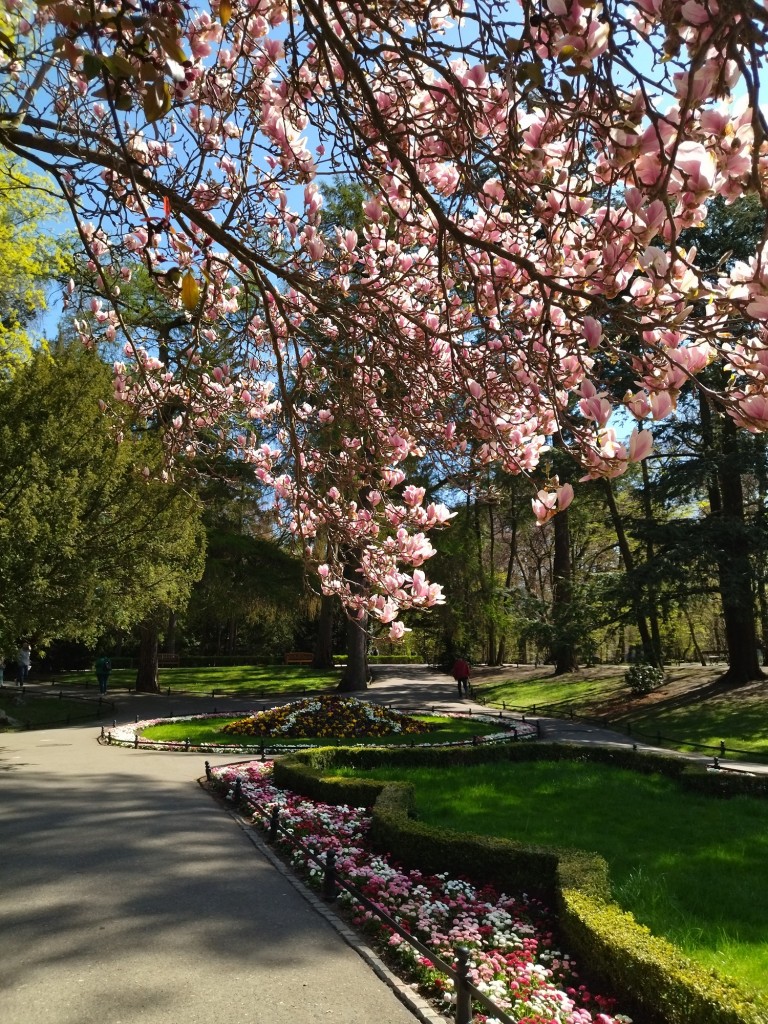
(461,672)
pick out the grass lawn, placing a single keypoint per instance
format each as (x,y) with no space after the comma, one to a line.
(683,709)
(267,679)
(557,694)
(691,868)
(40,712)
(446,730)
(740,720)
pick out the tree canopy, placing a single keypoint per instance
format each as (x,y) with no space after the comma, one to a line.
(528,173)
(89,539)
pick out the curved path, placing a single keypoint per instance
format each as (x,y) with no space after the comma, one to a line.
(128,896)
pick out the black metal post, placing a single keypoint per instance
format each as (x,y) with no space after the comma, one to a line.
(135,741)
(237,794)
(329,877)
(208,769)
(273,822)
(463,995)
(722,748)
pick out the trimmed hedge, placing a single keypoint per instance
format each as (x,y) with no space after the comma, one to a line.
(653,977)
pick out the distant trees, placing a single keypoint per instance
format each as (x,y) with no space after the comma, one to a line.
(89,540)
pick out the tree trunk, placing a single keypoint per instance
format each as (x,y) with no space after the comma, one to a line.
(170,634)
(649,554)
(355,674)
(563,648)
(323,653)
(146,674)
(726,502)
(696,649)
(629,569)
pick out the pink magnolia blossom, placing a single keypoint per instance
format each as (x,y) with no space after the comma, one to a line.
(460,319)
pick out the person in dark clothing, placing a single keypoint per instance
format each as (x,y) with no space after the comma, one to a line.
(461,672)
(103,668)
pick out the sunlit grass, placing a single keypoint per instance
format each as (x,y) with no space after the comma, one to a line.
(251,679)
(691,868)
(741,721)
(559,694)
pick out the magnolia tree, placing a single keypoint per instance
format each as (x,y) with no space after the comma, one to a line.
(527,169)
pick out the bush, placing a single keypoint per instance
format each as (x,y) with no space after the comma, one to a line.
(642,678)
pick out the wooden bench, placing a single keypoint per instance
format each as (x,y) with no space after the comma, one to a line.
(167,661)
(298,658)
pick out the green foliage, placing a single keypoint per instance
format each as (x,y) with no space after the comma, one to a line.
(87,539)
(29,258)
(642,678)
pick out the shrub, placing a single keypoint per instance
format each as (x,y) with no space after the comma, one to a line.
(642,678)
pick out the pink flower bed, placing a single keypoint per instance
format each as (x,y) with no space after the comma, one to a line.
(514,959)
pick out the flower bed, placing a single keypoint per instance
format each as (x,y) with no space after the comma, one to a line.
(513,956)
(130,734)
(327,715)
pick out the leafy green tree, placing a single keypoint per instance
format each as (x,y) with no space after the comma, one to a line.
(89,539)
(30,258)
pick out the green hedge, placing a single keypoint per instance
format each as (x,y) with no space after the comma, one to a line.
(652,976)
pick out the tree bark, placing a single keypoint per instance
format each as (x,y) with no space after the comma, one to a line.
(355,674)
(629,568)
(146,674)
(170,633)
(696,648)
(653,616)
(322,657)
(726,502)
(563,648)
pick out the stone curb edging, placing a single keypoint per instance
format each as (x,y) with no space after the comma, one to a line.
(420,1007)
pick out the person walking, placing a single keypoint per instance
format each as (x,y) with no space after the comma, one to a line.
(103,668)
(24,662)
(461,672)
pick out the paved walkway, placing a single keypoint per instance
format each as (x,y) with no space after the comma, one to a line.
(128,896)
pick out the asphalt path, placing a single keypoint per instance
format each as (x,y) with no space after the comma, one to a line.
(128,895)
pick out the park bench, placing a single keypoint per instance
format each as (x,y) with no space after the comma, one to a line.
(298,658)
(713,657)
(167,661)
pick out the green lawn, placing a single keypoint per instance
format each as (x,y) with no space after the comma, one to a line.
(689,867)
(446,730)
(267,679)
(739,717)
(741,721)
(41,712)
(557,694)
